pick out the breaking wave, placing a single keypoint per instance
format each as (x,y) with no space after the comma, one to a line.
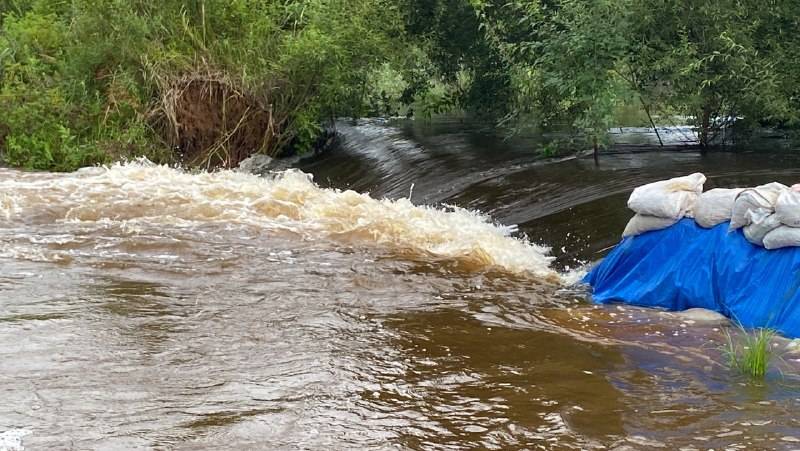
(144,192)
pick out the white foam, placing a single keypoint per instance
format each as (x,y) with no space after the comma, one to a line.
(11,440)
(147,193)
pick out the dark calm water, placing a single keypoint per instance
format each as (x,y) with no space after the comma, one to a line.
(147,308)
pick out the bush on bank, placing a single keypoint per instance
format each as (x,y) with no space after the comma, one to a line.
(206,81)
(584,62)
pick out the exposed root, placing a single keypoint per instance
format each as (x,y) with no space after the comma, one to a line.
(212,122)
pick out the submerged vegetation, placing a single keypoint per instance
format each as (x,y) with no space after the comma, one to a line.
(750,352)
(209,82)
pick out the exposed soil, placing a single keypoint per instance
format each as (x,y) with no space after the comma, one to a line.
(212,123)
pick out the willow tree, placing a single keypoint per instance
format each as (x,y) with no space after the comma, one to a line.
(458,46)
(716,62)
(712,62)
(563,58)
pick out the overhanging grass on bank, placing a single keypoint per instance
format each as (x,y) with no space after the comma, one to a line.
(208,81)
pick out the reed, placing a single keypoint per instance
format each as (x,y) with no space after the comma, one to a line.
(749,352)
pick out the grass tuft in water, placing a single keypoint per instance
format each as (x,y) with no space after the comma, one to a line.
(749,352)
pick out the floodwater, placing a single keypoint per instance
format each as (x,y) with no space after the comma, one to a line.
(143,307)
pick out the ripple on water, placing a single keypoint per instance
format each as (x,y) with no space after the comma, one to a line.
(218,311)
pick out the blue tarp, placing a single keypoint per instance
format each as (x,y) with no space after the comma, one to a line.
(687,266)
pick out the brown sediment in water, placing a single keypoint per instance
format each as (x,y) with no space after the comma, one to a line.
(140,192)
(224,311)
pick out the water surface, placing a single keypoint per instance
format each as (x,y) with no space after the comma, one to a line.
(147,308)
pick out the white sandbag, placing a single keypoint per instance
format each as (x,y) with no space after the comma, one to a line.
(761,199)
(761,223)
(640,224)
(715,206)
(783,236)
(771,191)
(671,198)
(787,208)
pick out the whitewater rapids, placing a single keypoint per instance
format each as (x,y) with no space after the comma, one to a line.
(145,193)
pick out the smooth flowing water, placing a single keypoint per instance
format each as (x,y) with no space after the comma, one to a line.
(143,307)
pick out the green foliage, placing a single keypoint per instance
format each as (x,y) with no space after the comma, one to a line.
(458,47)
(714,60)
(750,352)
(549,150)
(582,63)
(85,81)
(88,81)
(33,128)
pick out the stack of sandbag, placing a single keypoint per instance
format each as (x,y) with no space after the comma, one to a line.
(754,209)
(661,204)
(787,214)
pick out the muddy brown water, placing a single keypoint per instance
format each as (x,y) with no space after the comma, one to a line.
(149,308)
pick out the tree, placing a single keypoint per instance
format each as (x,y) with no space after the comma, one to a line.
(564,57)
(453,37)
(713,61)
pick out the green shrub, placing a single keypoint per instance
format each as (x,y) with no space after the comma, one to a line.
(86,81)
(50,148)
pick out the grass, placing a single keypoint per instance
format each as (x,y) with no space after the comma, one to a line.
(206,82)
(750,351)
